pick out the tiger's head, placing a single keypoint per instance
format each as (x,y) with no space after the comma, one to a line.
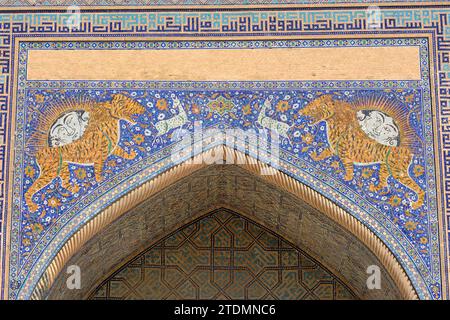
(319,109)
(123,107)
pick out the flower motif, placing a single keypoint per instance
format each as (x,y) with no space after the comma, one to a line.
(308,138)
(247,109)
(161,104)
(282,106)
(367,173)
(138,139)
(221,105)
(40,98)
(195,109)
(80,173)
(29,171)
(423,240)
(418,170)
(36,228)
(54,202)
(409,98)
(335,165)
(395,201)
(410,225)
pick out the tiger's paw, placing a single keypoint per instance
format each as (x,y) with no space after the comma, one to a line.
(314,156)
(416,205)
(98,178)
(128,156)
(32,206)
(375,188)
(348,176)
(74,188)
(132,155)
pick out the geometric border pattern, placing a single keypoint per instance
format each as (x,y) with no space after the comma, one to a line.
(183,2)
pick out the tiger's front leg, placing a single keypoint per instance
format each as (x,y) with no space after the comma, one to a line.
(44,179)
(345,153)
(399,163)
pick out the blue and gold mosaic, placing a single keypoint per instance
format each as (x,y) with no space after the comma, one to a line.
(402,209)
(396,207)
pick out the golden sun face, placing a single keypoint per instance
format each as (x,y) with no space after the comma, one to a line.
(379,126)
(60,124)
(384,120)
(68,128)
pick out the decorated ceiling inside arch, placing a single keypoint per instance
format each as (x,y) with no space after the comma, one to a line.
(94,103)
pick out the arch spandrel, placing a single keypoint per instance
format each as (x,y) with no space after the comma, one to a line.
(178,204)
(378,251)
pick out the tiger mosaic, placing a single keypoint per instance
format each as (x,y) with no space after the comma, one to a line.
(353,146)
(98,141)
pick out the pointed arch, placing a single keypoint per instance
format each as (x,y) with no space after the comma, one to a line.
(278,179)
